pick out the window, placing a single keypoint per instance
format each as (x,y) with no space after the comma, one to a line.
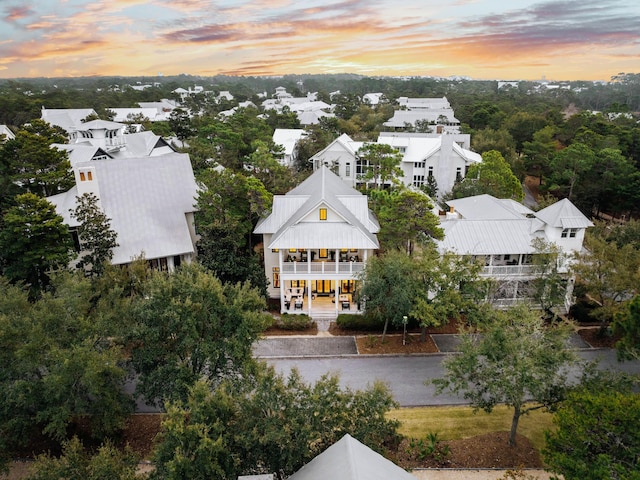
(323,214)
(418,180)
(275,250)
(458,174)
(569,232)
(323,253)
(276,277)
(82,177)
(361,167)
(430,174)
(419,164)
(347,172)
(293,250)
(89,176)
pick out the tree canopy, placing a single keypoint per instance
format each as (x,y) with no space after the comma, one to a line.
(492,176)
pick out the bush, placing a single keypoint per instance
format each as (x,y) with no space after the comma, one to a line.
(294,322)
(581,312)
(358,322)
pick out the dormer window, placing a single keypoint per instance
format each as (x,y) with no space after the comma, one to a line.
(83,177)
(323,214)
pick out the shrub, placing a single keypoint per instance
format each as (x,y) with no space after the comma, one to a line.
(358,322)
(295,322)
(429,447)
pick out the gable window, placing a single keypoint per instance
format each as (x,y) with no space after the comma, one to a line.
(89,176)
(323,214)
(82,177)
(569,232)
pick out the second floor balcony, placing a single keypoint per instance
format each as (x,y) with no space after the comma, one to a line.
(322,267)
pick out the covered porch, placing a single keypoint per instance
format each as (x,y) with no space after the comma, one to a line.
(319,297)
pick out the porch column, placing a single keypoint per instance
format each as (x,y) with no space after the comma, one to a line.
(281,281)
(309,294)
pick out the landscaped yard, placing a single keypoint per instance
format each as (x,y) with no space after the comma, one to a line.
(474,440)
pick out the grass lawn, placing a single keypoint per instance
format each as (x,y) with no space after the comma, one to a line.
(452,423)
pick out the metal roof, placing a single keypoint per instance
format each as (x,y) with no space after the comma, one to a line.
(348,459)
(564,214)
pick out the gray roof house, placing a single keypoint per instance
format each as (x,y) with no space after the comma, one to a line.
(150,201)
(316,240)
(348,459)
(502,234)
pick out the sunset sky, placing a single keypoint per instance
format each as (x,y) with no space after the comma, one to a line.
(497,39)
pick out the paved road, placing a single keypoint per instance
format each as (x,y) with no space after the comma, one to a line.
(406,375)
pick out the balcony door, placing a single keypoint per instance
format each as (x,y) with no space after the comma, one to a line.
(323,287)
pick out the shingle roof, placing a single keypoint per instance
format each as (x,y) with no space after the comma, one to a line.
(348,459)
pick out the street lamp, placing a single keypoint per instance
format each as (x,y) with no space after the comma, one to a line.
(404,333)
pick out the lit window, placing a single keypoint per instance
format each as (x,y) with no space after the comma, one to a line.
(293,250)
(276,277)
(275,250)
(89,176)
(82,177)
(323,214)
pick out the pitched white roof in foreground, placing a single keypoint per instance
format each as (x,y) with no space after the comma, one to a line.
(292,226)
(147,200)
(348,459)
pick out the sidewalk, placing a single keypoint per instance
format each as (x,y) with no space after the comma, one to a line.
(480,474)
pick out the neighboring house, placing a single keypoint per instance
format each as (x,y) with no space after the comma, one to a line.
(446,158)
(308,109)
(224,95)
(66,118)
(316,241)
(288,139)
(372,98)
(150,113)
(6,133)
(432,111)
(111,137)
(349,459)
(150,202)
(501,233)
(164,106)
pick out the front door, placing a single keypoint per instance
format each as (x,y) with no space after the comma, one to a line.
(323,287)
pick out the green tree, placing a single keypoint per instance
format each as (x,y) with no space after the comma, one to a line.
(275,177)
(568,167)
(406,218)
(627,325)
(383,163)
(96,238)
(76,463)
(279,424)
(57,365)
(517,361)
(180,123)
(33,165)
(34,240)
(492,176)
(229,205)
(190,326)
(597,436)
(389,288)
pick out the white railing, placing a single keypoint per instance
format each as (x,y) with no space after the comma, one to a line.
(509,270)
(321,267)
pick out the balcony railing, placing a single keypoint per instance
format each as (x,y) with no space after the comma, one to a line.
(509,270)
(322,267)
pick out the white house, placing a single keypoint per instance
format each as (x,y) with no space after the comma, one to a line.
(149,200)
(501,234)
(288,139)
(6,133)
(446,158)
(316,240)
(433,111)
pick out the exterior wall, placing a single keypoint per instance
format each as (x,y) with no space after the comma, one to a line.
(568,244)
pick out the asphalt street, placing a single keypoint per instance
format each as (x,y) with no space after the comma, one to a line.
(406,375)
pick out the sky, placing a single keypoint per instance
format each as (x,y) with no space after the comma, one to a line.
(496,39)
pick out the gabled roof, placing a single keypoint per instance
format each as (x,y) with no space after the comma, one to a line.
(286,223)
(348,459)
(8,134)
(564,214)
(66,118)
(81,152)
(345,142)
(288,138)
(487,207)
(143,144)
(146,199)
(99,125)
